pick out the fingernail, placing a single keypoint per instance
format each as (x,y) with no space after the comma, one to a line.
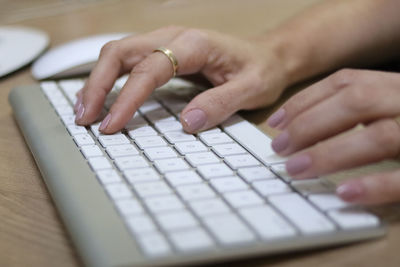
(195,119)
(79,114)
(105,122)
(349,191)
(298,164)
(276,118)
(281,142)
(78,103)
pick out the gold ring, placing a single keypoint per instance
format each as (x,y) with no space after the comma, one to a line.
(170,56)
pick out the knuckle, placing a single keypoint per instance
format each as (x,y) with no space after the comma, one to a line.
(360,99)
(194,36)
(386,134)
(109,48)
(344,77)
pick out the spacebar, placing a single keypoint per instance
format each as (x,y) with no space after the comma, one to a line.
(250,137)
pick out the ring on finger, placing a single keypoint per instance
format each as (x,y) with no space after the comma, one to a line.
(168,53)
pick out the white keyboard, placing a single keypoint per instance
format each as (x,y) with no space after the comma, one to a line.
(179,193)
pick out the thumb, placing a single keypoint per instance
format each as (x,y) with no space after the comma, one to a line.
(213,106)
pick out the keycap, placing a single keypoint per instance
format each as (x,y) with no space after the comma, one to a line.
(108,176)
(301,213)
(99,163)
(240,161)
(173,164)
(280,170)
(176,220)
(150,141)
(68,119)
(141,131)
(208,207)
(215,138)
(314,186)
(251,174)
(91,151)
(190,147)
(228,184)
(178,136)
(229,229)
(168,126)
(243,198)
(149,189)
(136,122)
(112,140)
(270,187)
(212,130)
(130,162)
(64,109)
(160,114)
(74,129)
(214,170)
(328,201)
(141,175)
(95,129)
(149,105)
(228,149)
(154,244)
(83,140)
(202,158)
(353,218)
(267,222)
(118,190)
(121,150)
(164,203)
(140,224)
(129,207)
(191,240)
(162,152)
(195,192)
(182,178)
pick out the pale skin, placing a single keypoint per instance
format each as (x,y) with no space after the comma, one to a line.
(252,73)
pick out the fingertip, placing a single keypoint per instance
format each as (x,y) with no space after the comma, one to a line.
(351,191)
(193,120)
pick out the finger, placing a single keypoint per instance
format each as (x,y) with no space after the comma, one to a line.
(377,188)
(377,141)
(155,70)
(117,58)
(213,106)
(356,104)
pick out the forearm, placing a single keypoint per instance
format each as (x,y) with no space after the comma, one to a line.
(337,34)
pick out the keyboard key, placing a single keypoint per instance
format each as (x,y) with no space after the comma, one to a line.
(280,170)
(108,176)
(141,175)
(229,229)
(215,138)
(182,178)
(95,129)
(160,114)
(328,201)
(228,184)
(168,126)
(150,141)
(191,240)
(195,192)
(136,122)
(301,213)
(141,131)
(256,173)
(168,165)
(190,147)
(162,152)
(314,186)
(83,140)
(208,207)
(176,220)
(74,129)
(240,161)
(129,207)
(91,151)
(228,149)
(65,109)
(99,163)
(243,198)
(214,170)
(164,203)
(121,150)
(202,158)
(267,222)
(118,191)
(353,218)
(112,140)
(209,131)
(154,244)
(131,162)
(270,187)
(150,189)
(178,136)
(150,105)
(68,119)
(140,224)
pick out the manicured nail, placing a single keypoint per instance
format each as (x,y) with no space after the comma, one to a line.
(78,103)
(349,191)
(281,142)
(298,164)
(105,122)
(79,114)
(276,118)
(195,119)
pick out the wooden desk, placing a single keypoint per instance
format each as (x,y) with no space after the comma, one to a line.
(31,233)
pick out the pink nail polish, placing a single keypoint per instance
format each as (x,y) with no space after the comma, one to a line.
(195,119)
(298,164)
(78,103)
(349,191)
(281,142)
(105,122)
(79,114)
(276,118)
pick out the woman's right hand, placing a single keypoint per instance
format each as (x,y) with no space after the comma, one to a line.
(246,74)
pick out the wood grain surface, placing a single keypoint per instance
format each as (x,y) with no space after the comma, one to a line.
(31,233)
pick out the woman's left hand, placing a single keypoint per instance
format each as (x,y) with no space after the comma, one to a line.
(312,123)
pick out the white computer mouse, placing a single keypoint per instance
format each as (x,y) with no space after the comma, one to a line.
(19,46)
(76,57)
